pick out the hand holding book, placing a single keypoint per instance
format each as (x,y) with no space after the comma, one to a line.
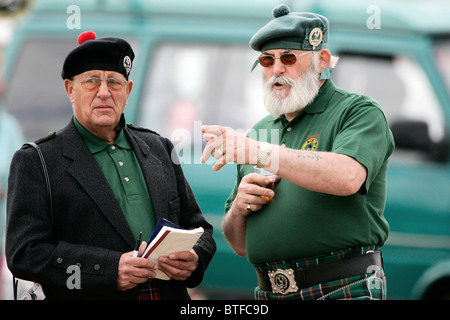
(179,265)
(170,247)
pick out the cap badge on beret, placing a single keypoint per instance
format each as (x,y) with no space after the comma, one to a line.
(127,64)
(315,37)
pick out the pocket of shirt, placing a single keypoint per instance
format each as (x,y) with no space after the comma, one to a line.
(134,197)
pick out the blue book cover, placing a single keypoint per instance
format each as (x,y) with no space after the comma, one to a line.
(161,223)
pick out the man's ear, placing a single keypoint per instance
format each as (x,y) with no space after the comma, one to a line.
(68,84)
(129,87)
(324,59)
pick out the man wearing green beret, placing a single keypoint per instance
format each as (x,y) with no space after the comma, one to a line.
(317,234)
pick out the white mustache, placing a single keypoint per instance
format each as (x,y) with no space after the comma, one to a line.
(283,80)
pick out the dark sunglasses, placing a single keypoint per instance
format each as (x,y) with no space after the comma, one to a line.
(286,58)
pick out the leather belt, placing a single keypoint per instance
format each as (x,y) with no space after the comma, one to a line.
(291,280)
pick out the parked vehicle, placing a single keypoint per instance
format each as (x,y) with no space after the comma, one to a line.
(192,67)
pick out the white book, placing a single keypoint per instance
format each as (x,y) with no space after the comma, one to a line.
(168,238)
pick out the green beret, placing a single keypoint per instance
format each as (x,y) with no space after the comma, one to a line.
(292,30)
(111,54)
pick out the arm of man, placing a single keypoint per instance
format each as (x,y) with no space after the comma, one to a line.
(325,172)
(235,220)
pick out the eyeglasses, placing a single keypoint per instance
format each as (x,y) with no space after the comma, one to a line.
(91,84)
(286,58)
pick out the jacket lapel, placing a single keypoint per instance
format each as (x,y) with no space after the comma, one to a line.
(87,173)
(153,174)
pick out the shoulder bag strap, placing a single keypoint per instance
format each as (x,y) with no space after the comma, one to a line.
(47,179)
(47,182)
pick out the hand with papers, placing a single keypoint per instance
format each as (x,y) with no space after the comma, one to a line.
(178,265)
(134,270)
(170,247)
(168,255)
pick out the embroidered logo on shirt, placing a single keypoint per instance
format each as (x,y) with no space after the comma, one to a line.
(311,144)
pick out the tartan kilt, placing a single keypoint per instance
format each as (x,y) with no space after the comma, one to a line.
(370,286)
(149,291)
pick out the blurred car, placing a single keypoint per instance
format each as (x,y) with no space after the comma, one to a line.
(193,67)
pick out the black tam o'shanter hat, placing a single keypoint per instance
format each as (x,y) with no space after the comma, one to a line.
(111,54)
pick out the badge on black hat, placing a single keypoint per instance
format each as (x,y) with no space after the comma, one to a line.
(127,64)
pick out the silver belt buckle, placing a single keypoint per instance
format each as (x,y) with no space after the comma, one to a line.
(283,281)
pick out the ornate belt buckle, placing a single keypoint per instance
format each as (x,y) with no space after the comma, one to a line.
(283,281)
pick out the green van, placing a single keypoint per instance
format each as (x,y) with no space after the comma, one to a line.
(193,67)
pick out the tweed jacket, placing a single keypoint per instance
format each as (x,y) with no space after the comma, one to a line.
(89,229)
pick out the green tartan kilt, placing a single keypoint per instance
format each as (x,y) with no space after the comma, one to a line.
(363,287)
(369,286)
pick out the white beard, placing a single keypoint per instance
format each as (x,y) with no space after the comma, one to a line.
(303,91)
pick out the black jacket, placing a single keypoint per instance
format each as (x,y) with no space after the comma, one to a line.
(89,228)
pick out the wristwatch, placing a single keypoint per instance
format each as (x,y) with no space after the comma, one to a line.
(264,150)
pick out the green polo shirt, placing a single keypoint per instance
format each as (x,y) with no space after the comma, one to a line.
(302,223)
(123,172)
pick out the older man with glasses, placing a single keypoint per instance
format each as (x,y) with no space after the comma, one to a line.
(316,235)
(110,182)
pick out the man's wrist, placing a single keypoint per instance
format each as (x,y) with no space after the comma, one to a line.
(264,149)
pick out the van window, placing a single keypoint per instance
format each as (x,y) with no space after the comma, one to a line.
(193,84)
(401,87)
(36,94)
(442,54)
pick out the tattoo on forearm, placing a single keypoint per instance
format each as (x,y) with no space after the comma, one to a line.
(306,154)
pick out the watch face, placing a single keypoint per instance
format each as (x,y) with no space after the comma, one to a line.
(265,146)
(264,150)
